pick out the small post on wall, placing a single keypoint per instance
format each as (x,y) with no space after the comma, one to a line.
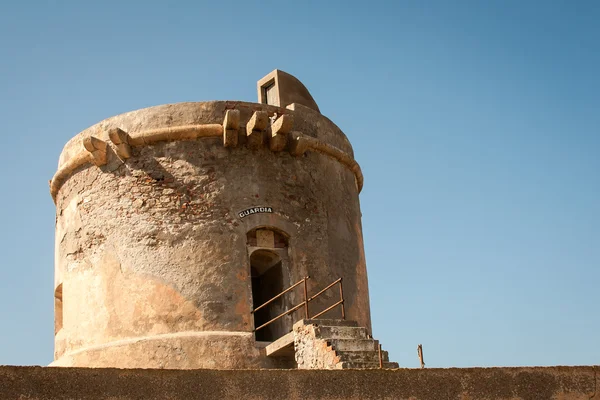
(305,298)
(420,353)
(342,300)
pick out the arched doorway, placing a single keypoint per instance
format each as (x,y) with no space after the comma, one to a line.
(269,274)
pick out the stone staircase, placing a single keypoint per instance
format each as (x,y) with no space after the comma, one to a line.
(332,344)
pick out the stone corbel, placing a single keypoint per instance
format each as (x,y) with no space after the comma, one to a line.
(97,148)
(120,139)
(279,132)
(299,144)
(256,128)
(231,126)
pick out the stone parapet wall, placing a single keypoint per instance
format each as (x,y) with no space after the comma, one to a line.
(524,383)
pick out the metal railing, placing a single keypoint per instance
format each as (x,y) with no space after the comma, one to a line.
(305,302)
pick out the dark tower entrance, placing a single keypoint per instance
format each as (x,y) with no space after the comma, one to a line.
(269,272)
(267,282)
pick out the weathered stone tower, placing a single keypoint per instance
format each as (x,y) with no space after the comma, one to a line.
(174,222)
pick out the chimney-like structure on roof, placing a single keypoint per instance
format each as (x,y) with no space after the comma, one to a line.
(174,222)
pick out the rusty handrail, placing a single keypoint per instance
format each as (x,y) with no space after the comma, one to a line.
(333,283)
(328,308)
(279,316)
(342,299)
(305,302)
(280,294)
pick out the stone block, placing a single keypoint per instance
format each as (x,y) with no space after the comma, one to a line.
(354,344)
(364,356)
(230,138)
(298,144)
(265,238)
(120,139)
(97,148)
(231,120)
(231,126)
(258,122)
(342,332)
(255,129)
(279,132)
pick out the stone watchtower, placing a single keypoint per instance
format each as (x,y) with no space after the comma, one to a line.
(174,222)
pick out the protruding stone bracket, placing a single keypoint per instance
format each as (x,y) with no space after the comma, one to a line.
(120,139)
(298,144)
(97,148)
(279,131)
(231,126)
(255,129)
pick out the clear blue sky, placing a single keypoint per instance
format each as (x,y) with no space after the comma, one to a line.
(476,123)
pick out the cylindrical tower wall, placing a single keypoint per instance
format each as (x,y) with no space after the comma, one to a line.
(152,257)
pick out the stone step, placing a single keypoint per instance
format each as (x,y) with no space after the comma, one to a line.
(363,356)
(330,322)
(365,365)
(340,345)
(342,332)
